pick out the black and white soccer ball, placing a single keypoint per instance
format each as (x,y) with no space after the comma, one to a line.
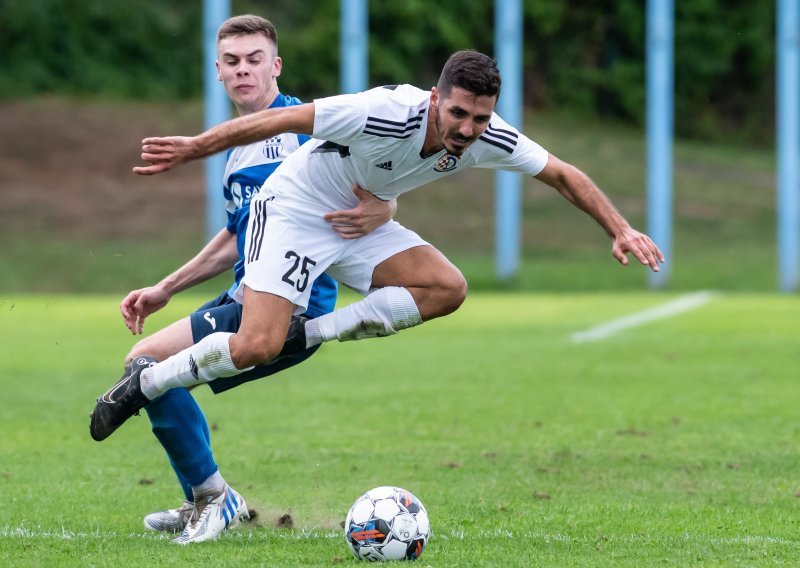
(387,523)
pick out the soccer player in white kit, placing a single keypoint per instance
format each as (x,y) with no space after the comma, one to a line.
(389,140)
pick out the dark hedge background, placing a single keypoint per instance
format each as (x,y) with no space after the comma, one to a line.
(584,58)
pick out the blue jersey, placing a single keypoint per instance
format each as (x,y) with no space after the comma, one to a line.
(245,171)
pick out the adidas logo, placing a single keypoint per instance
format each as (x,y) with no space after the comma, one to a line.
(385,165)
(193,368)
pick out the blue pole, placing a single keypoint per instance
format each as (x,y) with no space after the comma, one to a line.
(217,109)
(508,185)
(354,30)
(660,72)
(788,142)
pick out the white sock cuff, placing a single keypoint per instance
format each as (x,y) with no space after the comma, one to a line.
(402,307)
(217,356)
(314,333)
(383,312)
(325,326)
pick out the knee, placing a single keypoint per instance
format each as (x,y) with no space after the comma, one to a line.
(143,347)
(454,292)
(445,296)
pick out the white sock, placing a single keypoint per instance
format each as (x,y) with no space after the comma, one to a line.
(206,360)
(213,485)
(313,334)
(384,312)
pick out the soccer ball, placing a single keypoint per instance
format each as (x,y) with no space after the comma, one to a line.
(387,523)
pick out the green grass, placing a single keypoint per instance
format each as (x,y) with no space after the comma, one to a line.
(671,444)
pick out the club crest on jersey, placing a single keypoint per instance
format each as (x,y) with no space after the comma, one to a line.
(446,163)
(272,148)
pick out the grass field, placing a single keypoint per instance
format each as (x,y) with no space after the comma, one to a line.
(672,443)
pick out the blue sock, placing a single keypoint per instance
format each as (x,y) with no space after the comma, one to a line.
(182,429)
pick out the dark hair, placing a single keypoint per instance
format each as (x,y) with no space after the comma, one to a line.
(472,71)
(246,25)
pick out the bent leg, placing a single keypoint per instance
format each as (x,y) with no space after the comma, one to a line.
(415,285)
(261,335)
(437,286)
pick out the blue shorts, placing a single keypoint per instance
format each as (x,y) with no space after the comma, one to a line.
(224,314)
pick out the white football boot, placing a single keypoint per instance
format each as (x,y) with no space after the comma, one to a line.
(170,520)
(212,515)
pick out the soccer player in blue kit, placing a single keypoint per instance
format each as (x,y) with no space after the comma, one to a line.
(248,66)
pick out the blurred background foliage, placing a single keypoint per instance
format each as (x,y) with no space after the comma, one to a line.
(83,81)
(586,58)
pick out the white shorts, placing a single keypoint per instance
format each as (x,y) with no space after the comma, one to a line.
(287,248)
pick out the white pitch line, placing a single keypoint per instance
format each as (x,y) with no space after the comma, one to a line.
(493,534)
(668,310)
(496,533)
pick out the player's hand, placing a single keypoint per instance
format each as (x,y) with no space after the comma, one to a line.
(139,304)
(368,215)
(639,245)
(164,154)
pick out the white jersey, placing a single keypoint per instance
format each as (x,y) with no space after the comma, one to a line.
(375,139)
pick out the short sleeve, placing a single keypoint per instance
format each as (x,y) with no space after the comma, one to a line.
(340,118)
(528,157)
(508,149)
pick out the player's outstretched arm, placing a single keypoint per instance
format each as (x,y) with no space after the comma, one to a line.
(579,189)
(370,213)
(169,152)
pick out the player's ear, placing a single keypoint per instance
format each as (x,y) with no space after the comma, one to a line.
(277,67)
(434,97)
(219,74)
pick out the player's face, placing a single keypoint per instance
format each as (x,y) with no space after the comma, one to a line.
(461,117)
(248,66)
